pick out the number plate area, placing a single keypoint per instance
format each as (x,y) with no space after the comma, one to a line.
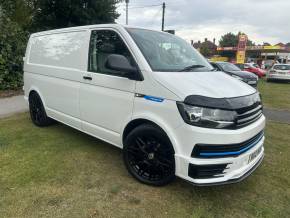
(254,154)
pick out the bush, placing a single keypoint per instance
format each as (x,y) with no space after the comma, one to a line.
(12,49)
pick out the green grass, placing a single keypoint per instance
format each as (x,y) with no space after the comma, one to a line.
(275,94)
(60,172)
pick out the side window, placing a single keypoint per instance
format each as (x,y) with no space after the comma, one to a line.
(104,43)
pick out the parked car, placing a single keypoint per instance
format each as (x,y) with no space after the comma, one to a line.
(151,94)
(268,64)
(250,67)
(236,72)
(279,72)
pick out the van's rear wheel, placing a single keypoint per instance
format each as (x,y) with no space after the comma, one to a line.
(149,155)
(37,111)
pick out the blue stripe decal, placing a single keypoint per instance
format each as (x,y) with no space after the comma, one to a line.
(233,152)
(151,98)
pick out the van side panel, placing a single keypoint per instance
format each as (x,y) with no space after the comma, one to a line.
(59,50)
(54,66)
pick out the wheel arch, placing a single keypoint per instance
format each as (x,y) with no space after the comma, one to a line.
(140,121)
(37,91)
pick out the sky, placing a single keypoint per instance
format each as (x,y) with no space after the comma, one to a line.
(262,20)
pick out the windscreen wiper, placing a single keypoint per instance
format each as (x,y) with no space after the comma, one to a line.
(192,67)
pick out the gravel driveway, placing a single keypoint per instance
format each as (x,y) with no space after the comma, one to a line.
(12,105)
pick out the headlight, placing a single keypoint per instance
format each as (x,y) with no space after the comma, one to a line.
(206,117)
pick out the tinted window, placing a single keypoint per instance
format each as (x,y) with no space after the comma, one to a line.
(229,67)
(241,66)
(104,43)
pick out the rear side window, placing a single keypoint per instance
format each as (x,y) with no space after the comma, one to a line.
(104,43)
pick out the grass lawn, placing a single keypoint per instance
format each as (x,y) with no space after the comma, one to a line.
(275,94)
(60,172)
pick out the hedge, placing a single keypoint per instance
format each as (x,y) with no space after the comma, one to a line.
(12,49)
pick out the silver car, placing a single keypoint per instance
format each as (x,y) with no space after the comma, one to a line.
(279,72)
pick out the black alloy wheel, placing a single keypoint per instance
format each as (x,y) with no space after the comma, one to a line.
(37,111)
(149,155)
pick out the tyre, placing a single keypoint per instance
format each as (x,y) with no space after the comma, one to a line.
(37,111)
(149,156)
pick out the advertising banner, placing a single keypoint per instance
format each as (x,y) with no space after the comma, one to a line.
(241,53)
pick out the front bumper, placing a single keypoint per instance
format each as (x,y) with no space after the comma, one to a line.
(237,168)
(235,180)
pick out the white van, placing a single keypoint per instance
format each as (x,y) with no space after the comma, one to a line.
(151,94)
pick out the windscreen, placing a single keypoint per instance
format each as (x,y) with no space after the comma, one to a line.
(168,53)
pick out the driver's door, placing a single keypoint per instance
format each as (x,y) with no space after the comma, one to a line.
(106,96)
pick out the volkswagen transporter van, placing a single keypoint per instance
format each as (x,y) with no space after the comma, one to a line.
(151,94)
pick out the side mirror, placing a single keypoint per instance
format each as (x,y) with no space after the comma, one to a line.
(121,63)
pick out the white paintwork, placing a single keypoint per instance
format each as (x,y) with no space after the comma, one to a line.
(54,66)
(278,74)
(214,84)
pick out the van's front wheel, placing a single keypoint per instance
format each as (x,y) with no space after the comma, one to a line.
(149,155)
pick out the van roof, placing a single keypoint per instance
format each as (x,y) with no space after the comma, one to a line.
(87,27)
(76,29)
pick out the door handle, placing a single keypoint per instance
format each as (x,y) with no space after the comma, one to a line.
(87,78)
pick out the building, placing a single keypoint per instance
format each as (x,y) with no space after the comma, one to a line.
(280,52)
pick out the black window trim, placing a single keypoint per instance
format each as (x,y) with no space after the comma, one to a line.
(139,76)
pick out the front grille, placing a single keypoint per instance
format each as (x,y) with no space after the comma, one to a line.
(206,171)
(230,150)
(249,114)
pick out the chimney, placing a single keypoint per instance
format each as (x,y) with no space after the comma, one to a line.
(191,41)
(213,40)
(205,39)
(198,42)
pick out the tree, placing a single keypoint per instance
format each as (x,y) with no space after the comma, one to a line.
(231,40)
(228,40)
(18,18)
(19,11)
(207,48)
(51,14)
(12,47)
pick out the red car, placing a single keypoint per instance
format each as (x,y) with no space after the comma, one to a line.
(253,68)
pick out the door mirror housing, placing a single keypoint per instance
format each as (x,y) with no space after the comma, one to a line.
(121,63)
